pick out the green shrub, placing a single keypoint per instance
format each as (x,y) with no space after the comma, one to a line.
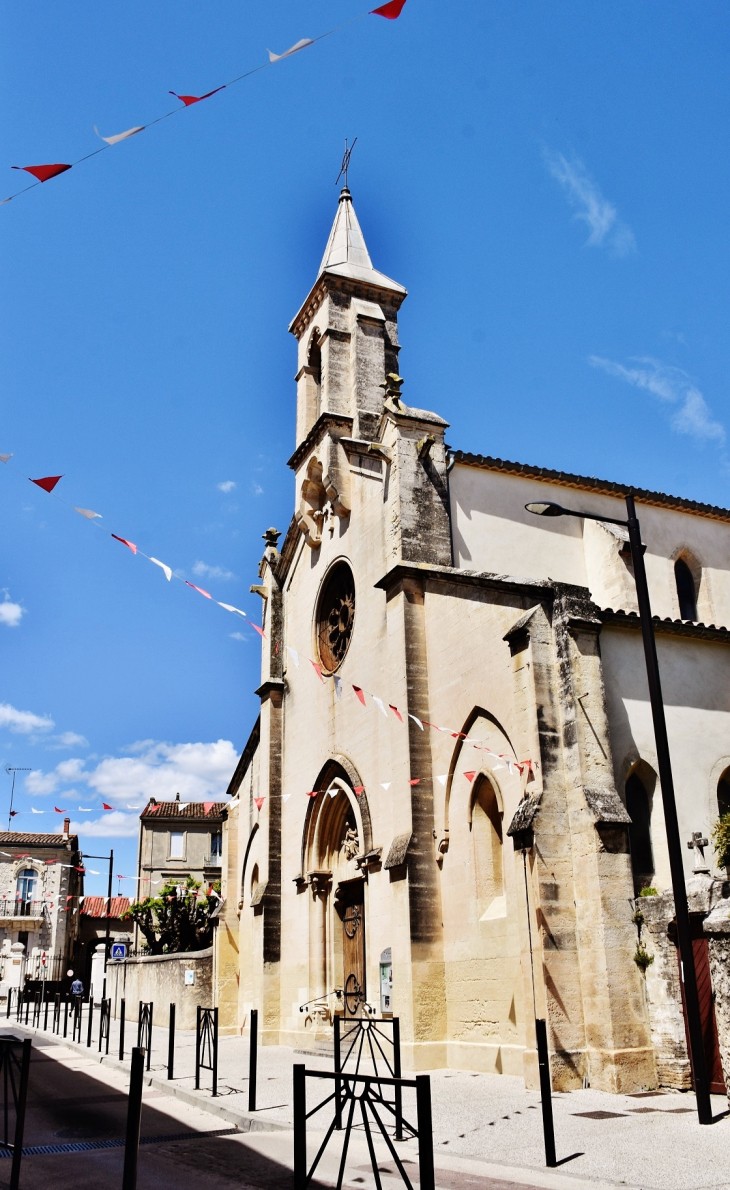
(649,892)
(642,958)
(721,841)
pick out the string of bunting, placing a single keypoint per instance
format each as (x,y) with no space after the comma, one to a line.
(43,173)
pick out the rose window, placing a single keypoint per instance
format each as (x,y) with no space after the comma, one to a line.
(336,617)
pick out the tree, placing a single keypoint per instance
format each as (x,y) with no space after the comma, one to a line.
(180,918)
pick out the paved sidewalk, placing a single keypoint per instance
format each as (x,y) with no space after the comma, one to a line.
(651,1140)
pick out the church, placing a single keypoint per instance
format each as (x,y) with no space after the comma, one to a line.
(449,802)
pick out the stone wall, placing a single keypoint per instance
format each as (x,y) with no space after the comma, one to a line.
(161,979)
(663,992)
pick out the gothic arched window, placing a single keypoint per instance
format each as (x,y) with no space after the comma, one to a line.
(638,806)
(723,794)
(686,592)
(486,830)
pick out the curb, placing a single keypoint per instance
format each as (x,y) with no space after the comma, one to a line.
(244,1121)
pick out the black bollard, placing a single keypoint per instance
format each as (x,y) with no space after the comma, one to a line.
(134,1120)
(300,1127)
(546,1092)
(122,1008)
(253,1041)
(397,1074)
(45,1014)
(65,1017)
(338,1067)
(425,1132)
(171,1044)
(20,1115)
(91,1021)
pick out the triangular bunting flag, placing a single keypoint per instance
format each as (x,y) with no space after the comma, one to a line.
(34,811)
(338,687)
(360,694)
(43,172)
(258,802)
(5,458)
(87,512)
(312,793)
(230,608)
(198,589)
(129,544)
(285,797)
(415,720)
(294,49)
(56,809)
(167,569)
(415,781)
(105,807)
(391,11)
(470,776)
(396,712)
(317,669)
(48,483)
(359,789)
(443,778)
(386,785)
(293,654)
(189,99)
(257,629)
(114,140)
(379,703)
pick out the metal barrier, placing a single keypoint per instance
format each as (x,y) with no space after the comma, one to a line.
(90,1020)
(36,1010)
(9,1002)
(369,1093)
(56,1025)
(122,1010)
(253,1051)
(77,1009)
(105,1018)
(14,1071)
(368,1037)
(144,1029)
(65,1017)
(134,1120)
(206,1045)
(546,1091)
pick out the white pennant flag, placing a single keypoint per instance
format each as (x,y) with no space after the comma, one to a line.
(167,569)
(87,512)
(379,703)
(415,720)
(285,797)
(230,608)
(4,458)
(294,49)
(294,655)
(338,687)
(183,805)
(386,785)
(34,811)
(114,140)
(333,791)
(84,809)
(443,778)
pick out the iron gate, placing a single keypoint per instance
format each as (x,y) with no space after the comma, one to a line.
(206,1045)
(144,1028)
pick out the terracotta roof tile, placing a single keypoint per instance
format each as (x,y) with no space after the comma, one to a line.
(19,838)
(175,809)
(96,906)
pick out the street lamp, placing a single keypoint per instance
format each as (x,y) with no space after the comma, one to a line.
(694,1021)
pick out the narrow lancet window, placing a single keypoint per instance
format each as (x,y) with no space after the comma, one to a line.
(685,590)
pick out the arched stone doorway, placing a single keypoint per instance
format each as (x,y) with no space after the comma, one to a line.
(336,840)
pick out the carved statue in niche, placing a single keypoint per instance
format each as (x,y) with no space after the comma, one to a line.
(324,495)
(350,845)
(311,512)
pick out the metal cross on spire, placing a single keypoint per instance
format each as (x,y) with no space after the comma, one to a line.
(346,162)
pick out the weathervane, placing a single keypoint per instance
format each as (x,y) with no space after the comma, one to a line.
(346,162)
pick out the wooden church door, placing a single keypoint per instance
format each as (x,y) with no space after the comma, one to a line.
(353,948)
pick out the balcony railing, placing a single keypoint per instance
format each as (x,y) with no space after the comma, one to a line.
(213,861)
(20,908)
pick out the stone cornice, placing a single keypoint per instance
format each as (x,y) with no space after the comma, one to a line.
(539,589)
(329,281)
(272,686)
(323,422)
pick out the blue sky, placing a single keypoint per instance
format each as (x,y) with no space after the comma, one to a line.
(549,181)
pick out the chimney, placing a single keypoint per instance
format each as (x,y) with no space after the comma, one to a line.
(66,827)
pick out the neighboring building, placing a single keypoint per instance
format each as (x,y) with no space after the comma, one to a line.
(368,846)
(92,936)
(179,839)
(41,879)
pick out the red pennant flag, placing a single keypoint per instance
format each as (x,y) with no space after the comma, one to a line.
(49,483)
(359,789)
(105,807)
(360,694)
(13,813)
(200,589)
(129,544)
(259,630)
(470,776)
(60,811)
(390,11)
(188,99)
(69,899)
(312,793)
(317,669)
(415,781)
(43,172)
(258,802)
(395,711)
(208,806)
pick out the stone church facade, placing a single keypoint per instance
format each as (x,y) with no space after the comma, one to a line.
(426,638)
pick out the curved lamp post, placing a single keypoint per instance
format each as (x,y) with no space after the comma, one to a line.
(694,1021)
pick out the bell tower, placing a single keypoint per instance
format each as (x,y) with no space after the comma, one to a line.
(347,332)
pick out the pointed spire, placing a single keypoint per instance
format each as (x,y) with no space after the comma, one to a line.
(346,254)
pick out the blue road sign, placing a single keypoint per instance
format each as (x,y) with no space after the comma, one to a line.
(119,950)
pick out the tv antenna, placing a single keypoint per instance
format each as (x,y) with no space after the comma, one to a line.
(346,162)
(12,769)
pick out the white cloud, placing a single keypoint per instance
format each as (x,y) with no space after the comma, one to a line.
(114,825)
(228,485)
(10,613)
(23,722)
(257,489)
(600,216)
(67,739)
(673,386)
(39,782)
(203,570)
(238,636)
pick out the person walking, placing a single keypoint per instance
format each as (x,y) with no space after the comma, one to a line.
(77,994)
